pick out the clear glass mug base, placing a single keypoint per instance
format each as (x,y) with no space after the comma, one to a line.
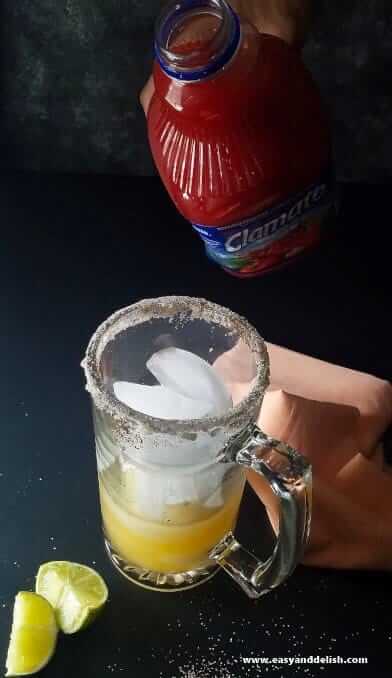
(159,581)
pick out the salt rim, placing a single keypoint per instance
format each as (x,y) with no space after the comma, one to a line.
(181,309)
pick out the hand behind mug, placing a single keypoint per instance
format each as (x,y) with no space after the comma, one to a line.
(287,19)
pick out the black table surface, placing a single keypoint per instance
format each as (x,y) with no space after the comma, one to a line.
(73,250)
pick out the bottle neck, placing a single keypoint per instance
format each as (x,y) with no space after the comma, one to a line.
(196,38)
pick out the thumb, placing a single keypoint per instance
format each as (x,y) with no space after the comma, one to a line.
(146,94)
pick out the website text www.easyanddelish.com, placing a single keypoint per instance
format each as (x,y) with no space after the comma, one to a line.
(311,659)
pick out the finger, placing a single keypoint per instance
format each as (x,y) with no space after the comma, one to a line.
(146,94)
(286,19)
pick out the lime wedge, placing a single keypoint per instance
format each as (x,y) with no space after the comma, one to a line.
(76,592)
(33,635)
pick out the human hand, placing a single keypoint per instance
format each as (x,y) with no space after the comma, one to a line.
(286,19)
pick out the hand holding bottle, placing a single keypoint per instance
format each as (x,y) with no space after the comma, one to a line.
(286,19)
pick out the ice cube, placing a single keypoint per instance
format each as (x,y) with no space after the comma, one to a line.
(149,494)
(151,491)
(189,389)
(190,376)
(181,489)
(159,401)
(210,486)
(172,481)
(216,499)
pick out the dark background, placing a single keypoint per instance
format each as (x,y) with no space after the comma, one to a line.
(72,70)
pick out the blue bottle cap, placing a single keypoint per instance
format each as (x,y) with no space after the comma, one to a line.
(227,39)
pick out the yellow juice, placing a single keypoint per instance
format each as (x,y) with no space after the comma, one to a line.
(179,542)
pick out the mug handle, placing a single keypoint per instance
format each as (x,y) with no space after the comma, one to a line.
(290,478)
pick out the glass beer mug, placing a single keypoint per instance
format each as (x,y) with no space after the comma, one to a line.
(176,385)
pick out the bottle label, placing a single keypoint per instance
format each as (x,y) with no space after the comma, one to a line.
(277,234)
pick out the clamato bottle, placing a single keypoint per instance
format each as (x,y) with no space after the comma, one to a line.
(240,137)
